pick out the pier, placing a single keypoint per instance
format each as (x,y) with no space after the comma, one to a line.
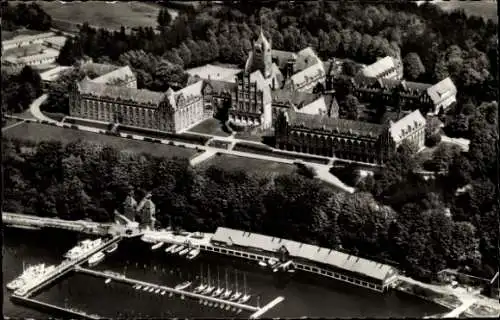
(455,313)
(61,270)
(267,307)
(168,289)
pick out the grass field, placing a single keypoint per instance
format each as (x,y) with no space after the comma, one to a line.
(106,15)
(210,126)
(41,132)
(252,166)
(8,35)
(9,122)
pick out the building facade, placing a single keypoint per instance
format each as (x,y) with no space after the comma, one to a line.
(114,98)
(347,139)
(251,101)
(385,68)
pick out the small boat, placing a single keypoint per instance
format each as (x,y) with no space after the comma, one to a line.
(272,261)
(183,252)
(236,294)
(209,288)
(96,258)
(157,290)
(145,288)
(219,290)
(227,292)
(262,264)
(183,285)
(163,292)
(246,296)
(193,254)
(112,248)
(202,286)
(151,289)
(170,248)
(156,246)
(108,280)
(177,249)
(138,287)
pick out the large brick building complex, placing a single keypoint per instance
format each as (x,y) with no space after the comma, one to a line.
(114,97)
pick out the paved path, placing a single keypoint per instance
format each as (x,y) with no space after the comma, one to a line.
(455,313)
(202,157)
(461,142)
(13,125)
(322,170)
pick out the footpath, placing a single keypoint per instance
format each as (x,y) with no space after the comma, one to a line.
(321,170)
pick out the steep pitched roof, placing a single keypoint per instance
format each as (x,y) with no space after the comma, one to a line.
(442,90)
(317,107)
(379,67)
(297,98)
(143,96)
(98,68)
(261,85)
(190,91)
(305,58)
(214,72)
(313,253)
(340,125)
(220,86)
(400,128)
(124,73)
(301,77)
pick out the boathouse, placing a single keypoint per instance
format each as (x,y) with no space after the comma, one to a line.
(322,261)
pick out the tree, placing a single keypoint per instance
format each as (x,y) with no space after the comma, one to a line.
(185,54)
(350,109)
(164,18)
(413,66)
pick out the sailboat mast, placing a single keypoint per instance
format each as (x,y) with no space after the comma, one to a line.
(236,278)
(245,283)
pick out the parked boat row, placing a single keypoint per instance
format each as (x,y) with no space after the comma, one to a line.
(187,251)
(30,275)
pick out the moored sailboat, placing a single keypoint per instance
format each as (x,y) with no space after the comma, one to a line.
(202,286)
(209,288)
(227,292)
(219,290)
(236,294)
(246,296)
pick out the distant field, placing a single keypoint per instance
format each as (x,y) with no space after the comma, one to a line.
(255,166)
(106,15)
(8,35)
(485,9)
(42,132)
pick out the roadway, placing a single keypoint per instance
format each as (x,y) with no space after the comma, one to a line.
(321,169)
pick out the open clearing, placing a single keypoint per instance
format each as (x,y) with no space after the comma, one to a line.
(106,15)
(252,166)
(485,9)
(43,132)
(210,126)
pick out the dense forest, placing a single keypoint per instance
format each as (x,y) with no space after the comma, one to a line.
(19,90)
(31,16)
(83,180)
(396,216)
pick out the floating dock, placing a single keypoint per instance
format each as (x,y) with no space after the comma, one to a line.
(267,307)
(257,311)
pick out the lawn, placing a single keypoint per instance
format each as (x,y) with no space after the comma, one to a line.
(41,132)
(9,122)
(8,35)
(106,15)
(210,126)
(26,114)
(255,134)
(252,166)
